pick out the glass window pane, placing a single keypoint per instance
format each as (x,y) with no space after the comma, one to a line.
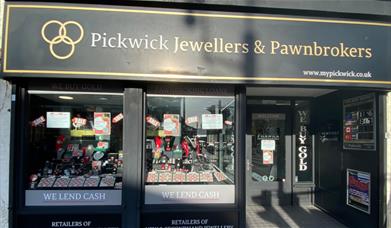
(75,142)
(268,152)
(190,140)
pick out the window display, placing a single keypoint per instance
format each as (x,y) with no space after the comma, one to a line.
(189,140)
(75,141)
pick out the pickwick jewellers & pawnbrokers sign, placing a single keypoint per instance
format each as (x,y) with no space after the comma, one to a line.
(79,41)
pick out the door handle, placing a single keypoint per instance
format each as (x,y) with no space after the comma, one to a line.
(248,164)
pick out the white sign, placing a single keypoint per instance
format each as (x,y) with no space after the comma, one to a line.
(73,197)
(189,194)
(268,144)
(212,121)
(302,147)
(58,119)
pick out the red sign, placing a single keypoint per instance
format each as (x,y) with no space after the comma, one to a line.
(118,118)
(191,119)
(154,122)
(78,122)
(38,121)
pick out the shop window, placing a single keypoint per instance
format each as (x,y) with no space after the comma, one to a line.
(189,149)
(75,149)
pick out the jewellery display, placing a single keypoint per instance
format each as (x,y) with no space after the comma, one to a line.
(107,181)
(92,181)
(61,182)
(82,161)
(76,182)
(181,150)
(186,162)
(74,144)
(165,177)
(46,182)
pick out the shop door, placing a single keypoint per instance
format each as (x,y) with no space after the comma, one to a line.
(268,156)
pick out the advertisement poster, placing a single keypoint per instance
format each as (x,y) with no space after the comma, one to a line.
(358,193)
(58,119)
(102,123)
(171,125)
(212,121)
(267,157)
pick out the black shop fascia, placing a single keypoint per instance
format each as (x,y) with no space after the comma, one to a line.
(128,114)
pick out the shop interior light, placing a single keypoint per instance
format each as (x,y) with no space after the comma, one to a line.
(103,98)
(65,97)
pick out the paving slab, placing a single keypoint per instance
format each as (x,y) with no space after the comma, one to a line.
(289,216)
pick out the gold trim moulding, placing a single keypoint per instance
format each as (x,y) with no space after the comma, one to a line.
(175,13)
(199,77)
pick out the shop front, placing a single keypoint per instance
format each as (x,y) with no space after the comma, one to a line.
(149,117)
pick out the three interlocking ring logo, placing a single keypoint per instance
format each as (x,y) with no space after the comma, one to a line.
(62,37)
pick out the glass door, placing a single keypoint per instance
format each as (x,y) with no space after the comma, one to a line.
(268,155)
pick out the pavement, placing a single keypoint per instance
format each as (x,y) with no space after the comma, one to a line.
(289,216)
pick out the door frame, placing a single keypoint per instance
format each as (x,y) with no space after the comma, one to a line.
(280,192)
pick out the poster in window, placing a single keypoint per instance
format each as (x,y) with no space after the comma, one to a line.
(359,129)
(171,125)
(102,123)
(268,144)
(358,193)
(212,121)
(58,120)
(267,156)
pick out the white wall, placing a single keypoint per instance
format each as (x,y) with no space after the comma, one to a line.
(5,118)
(5,106)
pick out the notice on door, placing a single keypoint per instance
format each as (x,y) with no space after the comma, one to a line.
(267,157)
(267,144)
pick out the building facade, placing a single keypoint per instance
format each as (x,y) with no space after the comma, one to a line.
(182,114)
